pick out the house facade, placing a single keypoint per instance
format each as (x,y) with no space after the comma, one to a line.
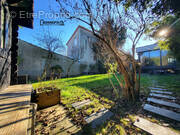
(80,47)
(153,58)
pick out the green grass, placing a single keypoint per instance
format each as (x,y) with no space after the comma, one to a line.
(98,89)
(79,88)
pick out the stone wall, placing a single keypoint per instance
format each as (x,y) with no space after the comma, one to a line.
(31,61)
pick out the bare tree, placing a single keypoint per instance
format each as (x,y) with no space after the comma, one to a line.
(52,43)
(95,13)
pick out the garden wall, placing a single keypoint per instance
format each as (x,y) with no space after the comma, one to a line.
(31,61)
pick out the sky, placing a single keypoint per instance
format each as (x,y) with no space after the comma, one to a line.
(45,10)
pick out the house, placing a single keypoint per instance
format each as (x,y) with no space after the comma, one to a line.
(154,59)
(80,47)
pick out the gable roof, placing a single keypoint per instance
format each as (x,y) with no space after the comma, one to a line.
(76,31)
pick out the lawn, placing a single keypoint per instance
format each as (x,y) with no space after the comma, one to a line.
(98,89)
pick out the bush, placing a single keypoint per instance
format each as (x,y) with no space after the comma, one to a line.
(56,71)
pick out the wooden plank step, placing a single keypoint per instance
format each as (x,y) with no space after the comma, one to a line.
(158,86)
(162,112)
(98,117)
(161,92)
(161,102)
(153,128)
(155,88)
(78,105)
(162,96)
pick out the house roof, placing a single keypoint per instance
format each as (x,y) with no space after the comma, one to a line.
(76,31)
(147,48)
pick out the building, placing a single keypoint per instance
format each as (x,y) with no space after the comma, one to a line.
(80,47)
(154,59)
(32,59)
(9,40)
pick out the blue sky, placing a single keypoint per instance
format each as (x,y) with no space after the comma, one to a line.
(49,6)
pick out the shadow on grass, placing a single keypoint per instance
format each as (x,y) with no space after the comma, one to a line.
(101,87)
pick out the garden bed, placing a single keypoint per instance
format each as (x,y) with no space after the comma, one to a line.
(47,96)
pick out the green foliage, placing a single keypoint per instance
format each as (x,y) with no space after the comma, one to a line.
(112,67)
(158,7)
(56,72)
(172,40)
(57,69)
(164,44)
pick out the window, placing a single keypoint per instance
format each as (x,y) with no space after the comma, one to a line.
(75,41)
(151,58)
(85,43)
(155,57)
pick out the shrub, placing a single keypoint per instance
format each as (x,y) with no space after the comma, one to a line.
(56,71)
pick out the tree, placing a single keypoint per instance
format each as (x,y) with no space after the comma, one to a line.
(95,13)
(114,32)
(52,43)
(158,7)
(168,12)
(169,40)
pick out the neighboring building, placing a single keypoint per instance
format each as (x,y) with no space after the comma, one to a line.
(79,47)
(80,57)
(154,59)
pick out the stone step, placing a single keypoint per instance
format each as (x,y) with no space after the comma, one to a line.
(162,112)
(161,102)
(158,86)
(98,117)
(78,105)
(155,88)
(161,92)
(162,96)
(153,128)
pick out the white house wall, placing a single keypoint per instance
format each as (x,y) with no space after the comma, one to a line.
(87,55)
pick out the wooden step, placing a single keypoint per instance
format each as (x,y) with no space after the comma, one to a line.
(162,96)
(78,105)
(98,117)
(161,102)
(162,112)
(161,92)
(155,88)
(153,128)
